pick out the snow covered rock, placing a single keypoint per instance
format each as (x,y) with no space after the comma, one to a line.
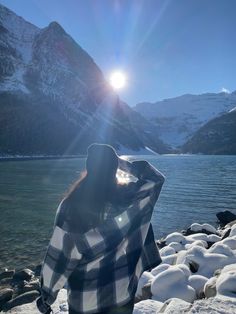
(207,263)
(174,306)
(230,242)
(216,305)
(233,231)
(147,307)
(210,287)
(176,246)
(160,268)
(172,283)
(198,283)
(59,306)
(221,248)
(167,250)
(175,237)
(201,243)
(226,282)
(144,279)
(170,259)
(196,227)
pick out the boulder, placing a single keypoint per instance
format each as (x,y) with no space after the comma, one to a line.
(197,282)
(146,291)
(59,306)
(147,307)
(175,305)
(172,283)
(5,282)
(32,285)
(225,217)
(5,295)
(210,287)
(7,274)
(24,274)
(144,279)
(200,228)
(27,297)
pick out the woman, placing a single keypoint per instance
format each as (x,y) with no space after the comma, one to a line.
(102,239)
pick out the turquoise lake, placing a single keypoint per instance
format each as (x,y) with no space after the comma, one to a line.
(196,188)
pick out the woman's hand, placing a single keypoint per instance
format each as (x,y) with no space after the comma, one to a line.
(124,165)
(139,167)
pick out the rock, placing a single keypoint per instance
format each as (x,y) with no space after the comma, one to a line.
(176,246)
(197,282)
(200,228)
(226,233)
(221,248)
(146,291)
(27,297)
(24,274)
(170,259)
(210,287)
(33,285)
(166,250)
(7,274)
(147,307)
(175,237)
(226,282)
(174,306)
(160,243)
(5,295)
(144,279)
(225,217)
(196,243)
(160,268)
(230,242)
(216,305)
(233,231)
(5,282)
(59,306)
(172,283)
(230,224)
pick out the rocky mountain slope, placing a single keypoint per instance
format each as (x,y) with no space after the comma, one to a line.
(177,119)
(55,100)
(218,136)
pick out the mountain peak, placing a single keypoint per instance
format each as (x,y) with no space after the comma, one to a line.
(56,27)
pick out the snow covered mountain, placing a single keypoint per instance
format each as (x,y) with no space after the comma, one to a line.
(177,119)
(218,136)
(54,98)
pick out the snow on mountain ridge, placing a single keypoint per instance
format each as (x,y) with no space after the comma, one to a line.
(178,118)
(20,32)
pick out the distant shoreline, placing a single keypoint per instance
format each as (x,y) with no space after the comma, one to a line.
(51,157)
(22,158)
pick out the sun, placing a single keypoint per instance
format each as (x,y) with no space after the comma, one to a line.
(118,79)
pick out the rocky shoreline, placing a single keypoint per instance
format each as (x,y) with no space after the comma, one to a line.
(198,271)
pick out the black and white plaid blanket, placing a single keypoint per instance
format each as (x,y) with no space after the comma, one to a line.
(101,267)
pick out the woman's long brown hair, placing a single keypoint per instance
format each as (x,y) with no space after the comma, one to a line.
(87,200)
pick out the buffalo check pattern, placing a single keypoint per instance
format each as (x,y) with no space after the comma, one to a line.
(101,267)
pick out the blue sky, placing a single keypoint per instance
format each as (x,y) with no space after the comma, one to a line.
(167,48)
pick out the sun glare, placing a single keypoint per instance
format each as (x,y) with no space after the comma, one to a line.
(118,79)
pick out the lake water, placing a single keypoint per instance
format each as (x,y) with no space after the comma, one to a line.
(196,188)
